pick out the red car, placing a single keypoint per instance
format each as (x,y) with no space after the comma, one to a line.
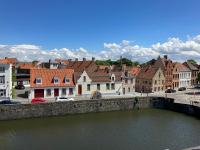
(38,100)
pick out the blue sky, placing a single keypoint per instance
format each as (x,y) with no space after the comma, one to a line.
(91,23)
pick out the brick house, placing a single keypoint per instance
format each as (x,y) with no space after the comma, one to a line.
(150,79)
(167,67)
(50,83)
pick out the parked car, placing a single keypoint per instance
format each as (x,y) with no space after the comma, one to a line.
(38,100)
(182,89)
(197,86)
(62,99)
(170,91)
(8,101)
(20,87)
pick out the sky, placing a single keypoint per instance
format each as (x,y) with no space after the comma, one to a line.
(105,29)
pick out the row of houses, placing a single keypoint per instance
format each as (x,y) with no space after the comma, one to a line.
(164,74)
(72,78)
(81,78)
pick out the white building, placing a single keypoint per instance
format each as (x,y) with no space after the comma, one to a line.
(100,80)
(185,78)
(51,83)
(182,75)
(5,80)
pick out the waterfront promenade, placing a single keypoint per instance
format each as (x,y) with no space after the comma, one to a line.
(191,96)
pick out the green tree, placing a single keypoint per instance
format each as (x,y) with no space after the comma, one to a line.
(192,61)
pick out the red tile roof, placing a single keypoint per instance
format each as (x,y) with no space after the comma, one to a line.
(26,66)
(147,72)
(135,71)
(181,67)
(65,62)
(8,60)
(48,75)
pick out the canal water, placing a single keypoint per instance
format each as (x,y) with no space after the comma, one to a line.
(150,129)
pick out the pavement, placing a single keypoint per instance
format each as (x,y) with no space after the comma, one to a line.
(190,96)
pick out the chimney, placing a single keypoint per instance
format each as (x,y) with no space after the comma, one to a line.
(76,59)
(93,58)
(165,56)
(84,59)
(121,60)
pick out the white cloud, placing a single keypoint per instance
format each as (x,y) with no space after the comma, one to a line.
(177,49)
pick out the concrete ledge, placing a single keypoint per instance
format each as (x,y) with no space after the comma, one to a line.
(9,112)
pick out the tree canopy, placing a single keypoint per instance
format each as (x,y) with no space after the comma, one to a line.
(192,61)
(109,62)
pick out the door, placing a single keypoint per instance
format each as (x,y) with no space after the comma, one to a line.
(79,89)
(124,91)
(39,93)
(56,92)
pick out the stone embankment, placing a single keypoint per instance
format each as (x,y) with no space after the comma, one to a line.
(21,111)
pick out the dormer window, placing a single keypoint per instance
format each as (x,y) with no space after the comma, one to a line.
(67,80)
(56,80)
(84,78)
(38,80)
(113,78)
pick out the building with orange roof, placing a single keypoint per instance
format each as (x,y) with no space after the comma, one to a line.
(51,83)
(8,60)
(22,70)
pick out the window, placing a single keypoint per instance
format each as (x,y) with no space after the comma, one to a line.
(48,92)
(84,78)
(88,87)
(126,81)
(71,91)
(56,80)
(98,87)
(113,86)
(2,69)
(159,74)
(155,89)
(131,81)
(2,93)
(63,92)
(129,89)
(155,82)
(113,78)
(38,80)
(162,81)
(107,86)
(67,80)
(2,79)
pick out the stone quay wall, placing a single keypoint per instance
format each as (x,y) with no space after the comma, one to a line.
(22,111)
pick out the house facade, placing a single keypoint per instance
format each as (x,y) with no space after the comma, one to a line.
(101,80)
(51,83)
(5,80)
(167,67)
(194,70)
(181,76)
(150,79)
